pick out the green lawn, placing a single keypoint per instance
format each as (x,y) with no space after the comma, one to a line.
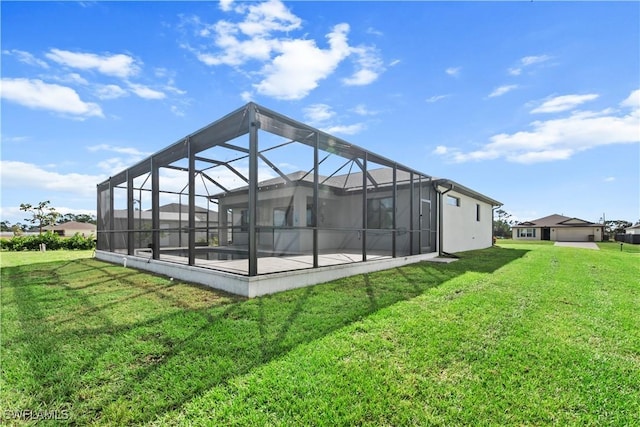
(519,334)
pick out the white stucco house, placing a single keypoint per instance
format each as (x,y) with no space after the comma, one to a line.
(558,228)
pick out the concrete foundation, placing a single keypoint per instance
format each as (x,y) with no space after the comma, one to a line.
(264,284)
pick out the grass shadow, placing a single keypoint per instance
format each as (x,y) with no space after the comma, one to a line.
(113,345)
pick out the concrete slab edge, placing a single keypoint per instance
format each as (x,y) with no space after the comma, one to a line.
(259,285)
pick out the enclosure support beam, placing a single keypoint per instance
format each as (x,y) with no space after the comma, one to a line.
(112,224)
(411,219)
(394,201)
(253,192)
(275,168)
(421,221)
(192,203)
(316,198)
(155,209)
(130,219)
(363,165)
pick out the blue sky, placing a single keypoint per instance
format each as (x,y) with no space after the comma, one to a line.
(535,104)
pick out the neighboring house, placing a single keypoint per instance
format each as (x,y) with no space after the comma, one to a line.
(632,230)
(71,228)
(173,222)
(558,228)
(631,235)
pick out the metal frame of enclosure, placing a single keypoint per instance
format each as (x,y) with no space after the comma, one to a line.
(256,192)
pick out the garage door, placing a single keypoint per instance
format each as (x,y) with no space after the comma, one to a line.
(572,234)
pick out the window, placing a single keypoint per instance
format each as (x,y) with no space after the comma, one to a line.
(282,217)
(244,220)
(477,212)
(380,213)
(310,212)
(453,201)
(526,232)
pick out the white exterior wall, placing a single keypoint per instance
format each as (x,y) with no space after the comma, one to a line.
(461,231)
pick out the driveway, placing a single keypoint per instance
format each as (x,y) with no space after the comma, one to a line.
(582,245)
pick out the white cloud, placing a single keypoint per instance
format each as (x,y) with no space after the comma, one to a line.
(27,176)
(321,116)
(499,91)
(560,138)
(394,62)
(26,57)
(527,61)
(116,149)
(530,60)
(288,166)
(177,111)
(290,67)
(632,101)
(563,103)
(374,32)
(40,95)
(115,165)
(441,149)
(436,98)
(318,113)
(369,64)
(146,92)
(362,110)
(246,96)
(118,65)
(234,52)
(173,89)
(14,139)
(225,5)
(345,129)
(73,78)
(361,78)
(609,179)
(110,92)
(301,65)
(266,17)
(453,71)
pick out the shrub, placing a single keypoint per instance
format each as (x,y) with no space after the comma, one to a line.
(51,240)
(79,242)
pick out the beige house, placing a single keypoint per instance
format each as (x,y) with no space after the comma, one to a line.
(71,228)
(558,228)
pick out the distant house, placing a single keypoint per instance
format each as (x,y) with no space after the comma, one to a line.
(633,230)
(558,228)
(631,235)
(70,228)
(173,223)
